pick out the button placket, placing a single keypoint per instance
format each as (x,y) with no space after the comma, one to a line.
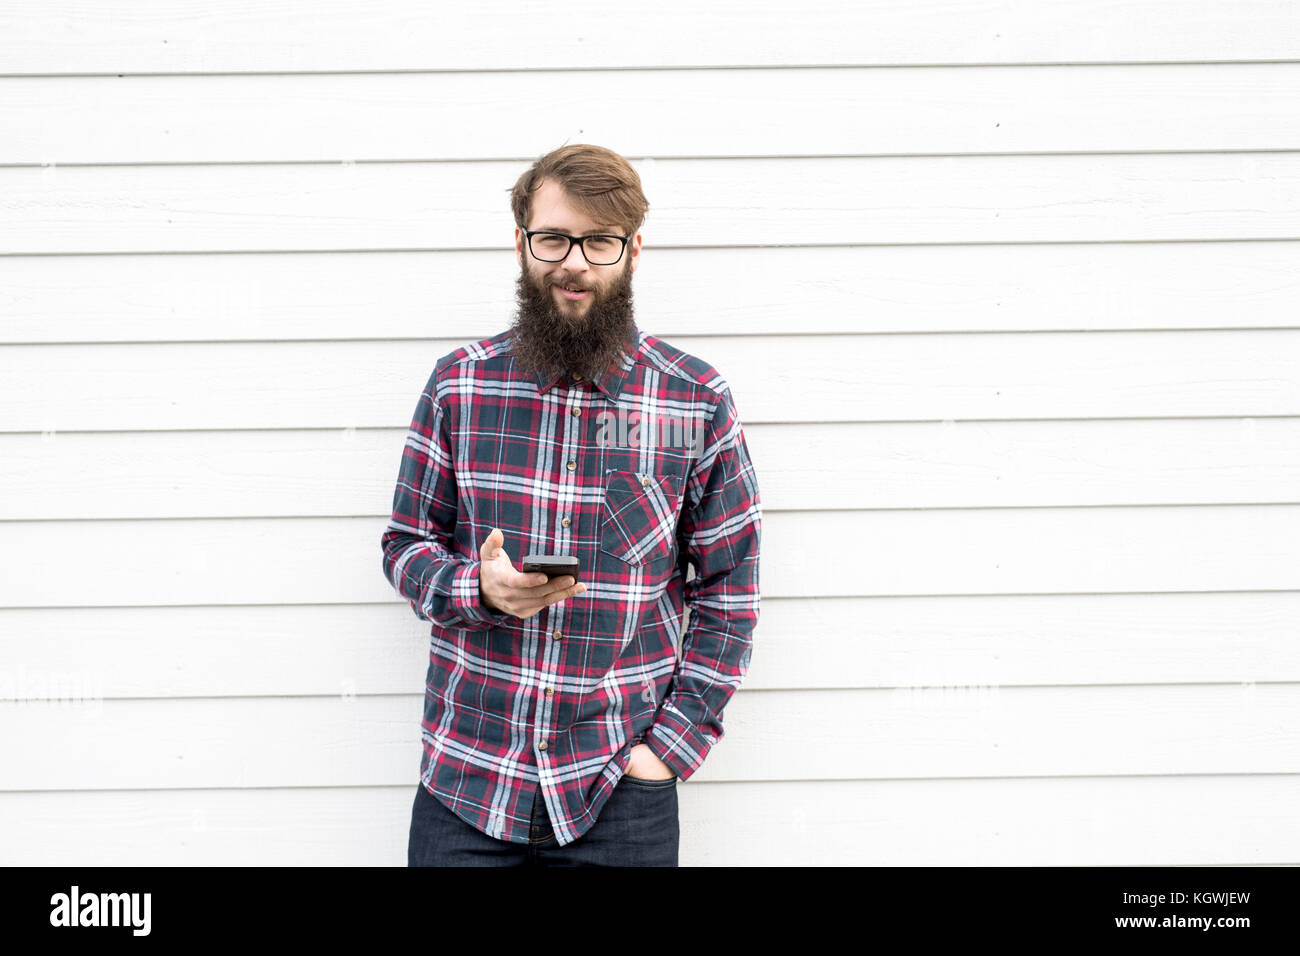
(571,448)
(568,484)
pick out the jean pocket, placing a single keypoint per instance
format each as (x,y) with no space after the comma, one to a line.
(648,784)
(639,518)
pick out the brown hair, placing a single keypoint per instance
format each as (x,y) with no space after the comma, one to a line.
(601,183)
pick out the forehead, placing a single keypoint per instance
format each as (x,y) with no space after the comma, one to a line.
(553,208)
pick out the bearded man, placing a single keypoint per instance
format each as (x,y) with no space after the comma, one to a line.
(561,712)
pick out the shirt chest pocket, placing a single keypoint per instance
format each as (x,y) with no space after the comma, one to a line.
(639,517)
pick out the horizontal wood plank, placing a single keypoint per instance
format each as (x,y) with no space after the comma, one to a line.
(1106,821)
(335,472)
(770,735)
(734,291)
(406,116)
(732,202)
(830,554)
(341,385)
(315,35)
(700,292)
(73,654)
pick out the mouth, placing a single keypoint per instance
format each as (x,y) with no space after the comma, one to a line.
(573,293)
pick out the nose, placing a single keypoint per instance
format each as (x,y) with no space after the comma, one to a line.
(575,261)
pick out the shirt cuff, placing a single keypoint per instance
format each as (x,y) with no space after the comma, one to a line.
(466,600)
(677,742)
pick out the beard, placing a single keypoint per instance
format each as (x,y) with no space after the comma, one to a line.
(548,341)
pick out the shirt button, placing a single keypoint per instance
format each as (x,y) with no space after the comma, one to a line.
(555,634)
(577,412)
(550,691)
(542,745)
(577,378)
(572,465)
(645,482)
(565,522)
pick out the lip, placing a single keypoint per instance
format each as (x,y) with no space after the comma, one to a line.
(572,296)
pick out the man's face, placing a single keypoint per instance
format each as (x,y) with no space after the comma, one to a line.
(582,332)
(552,212)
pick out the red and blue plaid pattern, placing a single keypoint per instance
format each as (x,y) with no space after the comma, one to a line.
(637,474)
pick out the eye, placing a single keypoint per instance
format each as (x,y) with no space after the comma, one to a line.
(601,243)
(550,240)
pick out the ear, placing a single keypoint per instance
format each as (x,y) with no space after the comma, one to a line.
(519,247)
(634,250)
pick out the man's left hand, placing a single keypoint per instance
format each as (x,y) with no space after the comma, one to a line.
(647,766)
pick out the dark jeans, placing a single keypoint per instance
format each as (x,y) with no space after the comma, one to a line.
(637,826)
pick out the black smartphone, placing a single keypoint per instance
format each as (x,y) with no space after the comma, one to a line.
(551,565)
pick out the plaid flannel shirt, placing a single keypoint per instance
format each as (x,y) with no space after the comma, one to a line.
(638,474)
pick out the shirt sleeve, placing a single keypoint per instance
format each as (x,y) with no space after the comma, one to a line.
(419,559)
(718,532)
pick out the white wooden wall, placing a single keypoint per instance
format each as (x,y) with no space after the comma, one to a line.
(1007,293)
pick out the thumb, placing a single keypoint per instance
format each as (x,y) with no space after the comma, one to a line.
(493,545)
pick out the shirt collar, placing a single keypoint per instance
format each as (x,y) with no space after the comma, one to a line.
(611,382)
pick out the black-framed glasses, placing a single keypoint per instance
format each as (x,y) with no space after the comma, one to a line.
(555,247)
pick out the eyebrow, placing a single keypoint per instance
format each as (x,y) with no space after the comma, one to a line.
(608,231)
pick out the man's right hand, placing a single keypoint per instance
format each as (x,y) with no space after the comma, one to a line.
(504,589)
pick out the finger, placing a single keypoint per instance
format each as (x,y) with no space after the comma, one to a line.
(529,581)
(553,585)
(491,545)
(564,593)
